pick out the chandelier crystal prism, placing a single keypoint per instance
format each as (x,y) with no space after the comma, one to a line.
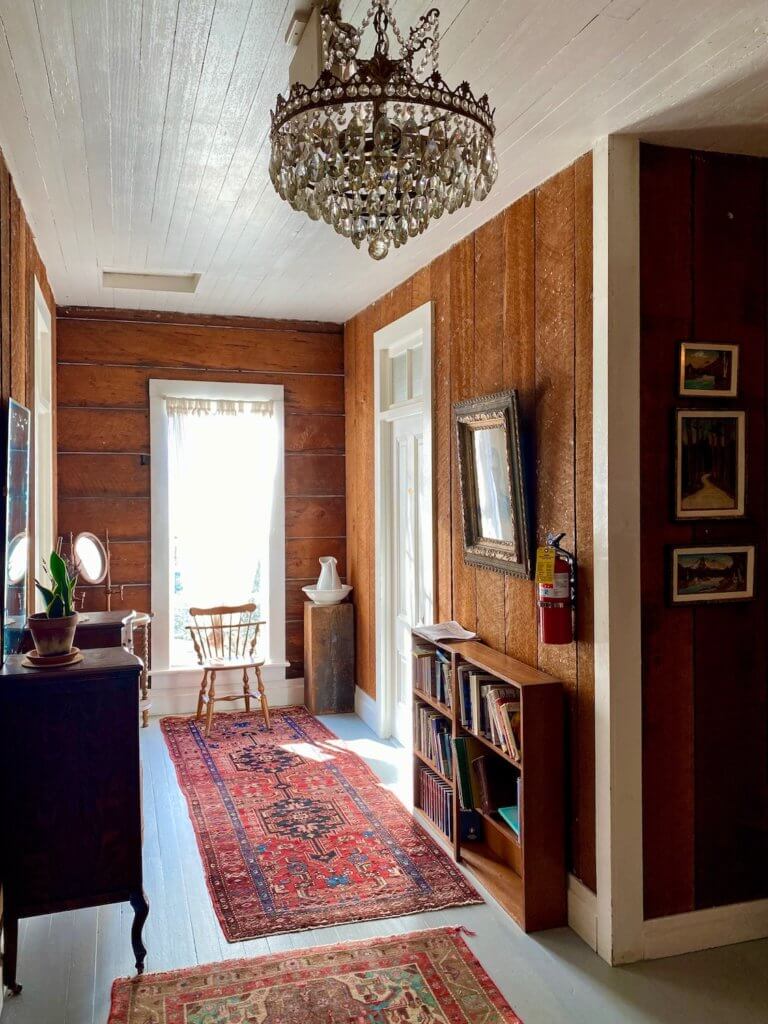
(380,147)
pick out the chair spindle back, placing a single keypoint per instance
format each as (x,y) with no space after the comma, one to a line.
(225,633)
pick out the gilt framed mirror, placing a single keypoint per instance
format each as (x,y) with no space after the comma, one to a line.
(491,475)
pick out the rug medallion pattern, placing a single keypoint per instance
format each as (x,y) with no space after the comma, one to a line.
(428,977)
(297,832)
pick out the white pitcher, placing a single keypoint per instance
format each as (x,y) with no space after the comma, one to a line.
(329,577)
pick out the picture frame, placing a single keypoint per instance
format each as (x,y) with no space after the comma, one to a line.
(710,464)
(708,370)
(712,574)
(492,481)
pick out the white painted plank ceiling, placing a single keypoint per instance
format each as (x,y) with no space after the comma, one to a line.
(137,130)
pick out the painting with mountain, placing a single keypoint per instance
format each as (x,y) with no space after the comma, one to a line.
(712,574)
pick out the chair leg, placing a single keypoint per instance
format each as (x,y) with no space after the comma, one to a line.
(201,697)
(211,699)
(246,692)
(262,697)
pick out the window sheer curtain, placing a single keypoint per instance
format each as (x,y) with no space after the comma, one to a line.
(222,467)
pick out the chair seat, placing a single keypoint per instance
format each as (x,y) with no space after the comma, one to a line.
(220,664)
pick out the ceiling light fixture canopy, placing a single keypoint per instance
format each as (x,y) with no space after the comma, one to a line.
(380,147)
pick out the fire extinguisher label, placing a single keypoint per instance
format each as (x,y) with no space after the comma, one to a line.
(560,589)
(545,567)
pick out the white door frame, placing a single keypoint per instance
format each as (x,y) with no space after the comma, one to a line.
(184,678)
(44,446)
(400,334)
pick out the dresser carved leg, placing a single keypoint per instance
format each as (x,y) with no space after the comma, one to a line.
(140,907)
(10,952)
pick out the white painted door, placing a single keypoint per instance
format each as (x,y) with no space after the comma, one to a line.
(407,606)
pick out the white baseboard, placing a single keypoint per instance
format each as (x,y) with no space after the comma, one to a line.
(705,929)
(181,699)
(367,709)
(582,911)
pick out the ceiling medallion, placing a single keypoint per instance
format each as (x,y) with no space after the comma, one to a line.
(380,147)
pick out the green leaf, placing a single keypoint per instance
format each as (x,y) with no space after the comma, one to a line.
(47,595)
(56,609)
(58,570)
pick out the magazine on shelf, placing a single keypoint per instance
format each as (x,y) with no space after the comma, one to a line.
(444,631)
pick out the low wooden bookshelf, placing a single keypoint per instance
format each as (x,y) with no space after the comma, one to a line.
(525,872)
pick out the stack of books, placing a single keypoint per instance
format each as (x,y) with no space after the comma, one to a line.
(435,798)
(490,709)
(432,674)
(482,785)
(432,737)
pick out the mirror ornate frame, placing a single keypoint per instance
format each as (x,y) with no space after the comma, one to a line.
(503,554)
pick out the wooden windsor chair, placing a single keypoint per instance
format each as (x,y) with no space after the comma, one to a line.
(225,639)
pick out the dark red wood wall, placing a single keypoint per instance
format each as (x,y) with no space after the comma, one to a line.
(705,717)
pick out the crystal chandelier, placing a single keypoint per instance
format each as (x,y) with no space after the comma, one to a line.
(380,147)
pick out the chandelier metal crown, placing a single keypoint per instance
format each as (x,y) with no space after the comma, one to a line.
(380,147)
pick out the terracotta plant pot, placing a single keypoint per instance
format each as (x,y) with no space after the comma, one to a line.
(53,636)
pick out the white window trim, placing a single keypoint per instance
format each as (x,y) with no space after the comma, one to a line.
(44,447)
(162,672)
(395,337)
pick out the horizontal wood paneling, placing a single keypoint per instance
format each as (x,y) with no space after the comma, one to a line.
(95,385)
(202,348)
(105,364)
(512,308)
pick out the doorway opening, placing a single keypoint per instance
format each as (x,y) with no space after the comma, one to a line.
(404,545)
(218,522)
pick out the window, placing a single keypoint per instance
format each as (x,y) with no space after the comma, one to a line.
(217,510)
(43,437)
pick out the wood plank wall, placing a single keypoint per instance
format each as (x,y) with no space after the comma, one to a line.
(512,308)
(106,358)
(20,264)
(705,727)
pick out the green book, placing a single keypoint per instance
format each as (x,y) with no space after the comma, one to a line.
(512,817)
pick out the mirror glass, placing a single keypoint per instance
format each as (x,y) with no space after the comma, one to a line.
(90,557)
(493,493)
(16,527)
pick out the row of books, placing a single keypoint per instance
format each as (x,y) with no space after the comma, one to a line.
(435,798)
(482,785)
(432,674)
(490,708)
(432,737)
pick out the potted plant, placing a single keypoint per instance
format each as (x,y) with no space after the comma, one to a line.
(54,629)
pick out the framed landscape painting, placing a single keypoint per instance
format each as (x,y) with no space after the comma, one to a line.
(708,370)
(713,574)
(710,464)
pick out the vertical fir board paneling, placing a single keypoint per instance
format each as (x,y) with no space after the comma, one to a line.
(486,292)
(5,287)
(666,289)
(519,371)
(729,645)
(442,437)
(489,378)
(462,386)
(584,802)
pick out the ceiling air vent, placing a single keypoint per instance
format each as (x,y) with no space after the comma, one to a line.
(150,282)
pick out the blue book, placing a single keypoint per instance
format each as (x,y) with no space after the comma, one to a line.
(512,817)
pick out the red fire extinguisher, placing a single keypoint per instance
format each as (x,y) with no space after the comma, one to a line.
(556,592)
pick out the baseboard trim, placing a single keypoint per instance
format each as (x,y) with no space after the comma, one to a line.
(705,929)
(582,911)
(367,709)
(182,699)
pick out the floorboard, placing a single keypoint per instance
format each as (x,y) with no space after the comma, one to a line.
(67,962)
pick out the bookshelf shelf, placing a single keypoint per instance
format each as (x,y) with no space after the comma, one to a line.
(525,873)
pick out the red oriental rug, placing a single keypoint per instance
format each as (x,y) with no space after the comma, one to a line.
(297,832)
(426,977)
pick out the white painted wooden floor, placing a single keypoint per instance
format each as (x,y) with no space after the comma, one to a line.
(67,962)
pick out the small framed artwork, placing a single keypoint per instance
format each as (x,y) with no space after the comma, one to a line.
(710,466)
(713,574)
(709,370)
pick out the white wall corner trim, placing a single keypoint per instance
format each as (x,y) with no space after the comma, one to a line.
(616,492)
(582,911)
(367,709)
